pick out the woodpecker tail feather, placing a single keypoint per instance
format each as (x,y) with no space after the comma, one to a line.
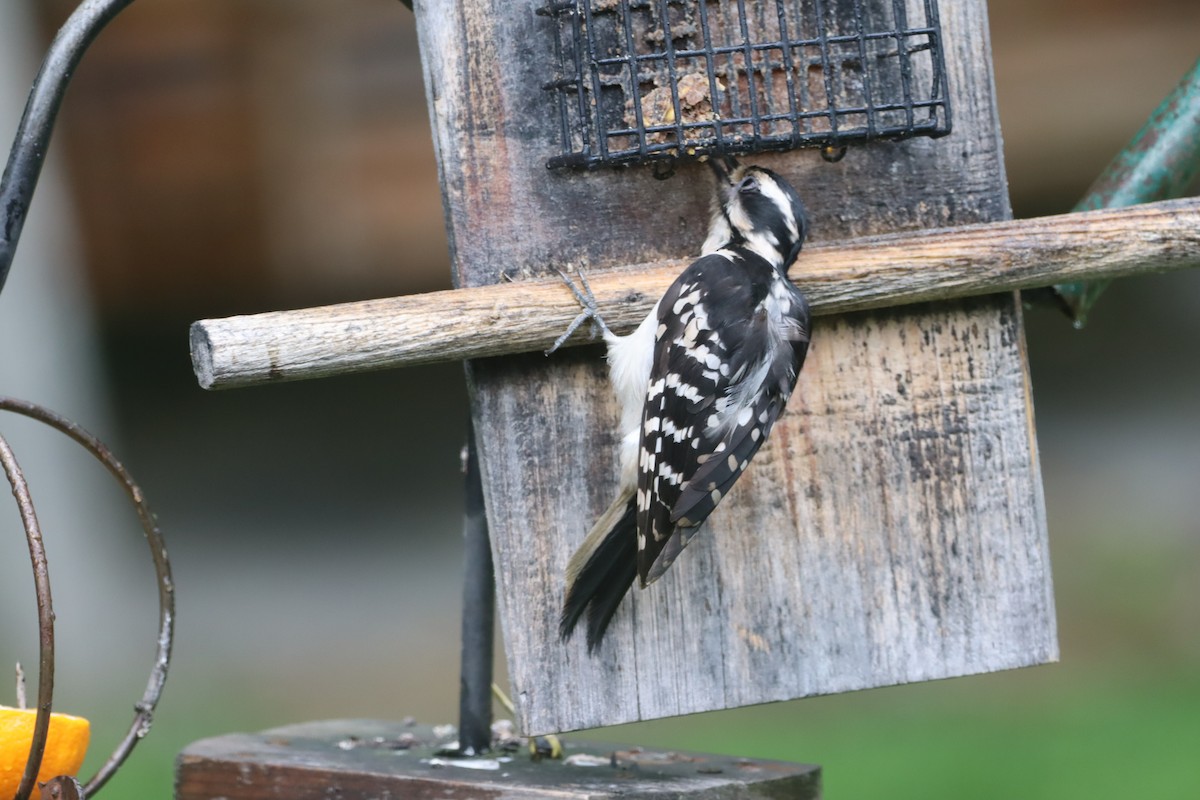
(601,571)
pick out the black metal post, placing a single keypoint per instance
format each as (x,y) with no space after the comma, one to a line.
(37,123)
(479,601)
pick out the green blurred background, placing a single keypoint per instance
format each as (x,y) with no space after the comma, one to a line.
(227,156)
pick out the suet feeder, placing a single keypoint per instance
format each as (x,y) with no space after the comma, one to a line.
(652,80)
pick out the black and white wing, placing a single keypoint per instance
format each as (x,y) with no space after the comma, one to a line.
(731,339)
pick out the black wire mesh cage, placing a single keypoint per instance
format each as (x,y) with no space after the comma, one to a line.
(655,80)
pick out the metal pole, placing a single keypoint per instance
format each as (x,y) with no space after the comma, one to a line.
(479,600)
(37,123)
(1158,164)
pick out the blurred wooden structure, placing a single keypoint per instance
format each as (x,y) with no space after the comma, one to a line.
(249,154)
(892,530)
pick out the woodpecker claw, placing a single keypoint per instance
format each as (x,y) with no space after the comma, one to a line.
(591,310)
(722,166)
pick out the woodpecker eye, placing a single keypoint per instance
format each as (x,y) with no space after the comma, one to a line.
(749,185)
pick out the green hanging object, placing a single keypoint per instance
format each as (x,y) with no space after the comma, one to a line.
(1159,163)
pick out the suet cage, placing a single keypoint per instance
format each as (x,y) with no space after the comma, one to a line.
(659,80)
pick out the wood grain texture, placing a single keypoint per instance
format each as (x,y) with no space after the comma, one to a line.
(528,315)
(375,760)
(893,528)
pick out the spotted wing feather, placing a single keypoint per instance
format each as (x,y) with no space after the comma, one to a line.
(724,367)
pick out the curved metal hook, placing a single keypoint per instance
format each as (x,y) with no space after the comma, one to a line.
(37,122)
(41,580)
(144,715)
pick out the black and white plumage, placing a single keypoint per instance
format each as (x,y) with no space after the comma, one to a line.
(700,383)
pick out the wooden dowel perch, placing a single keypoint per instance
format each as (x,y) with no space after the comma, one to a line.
(528,315)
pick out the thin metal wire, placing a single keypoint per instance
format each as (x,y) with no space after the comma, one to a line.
(748,67)
(902,33)
(864,62)
(664,11)
(711,73)
(45,606)
(144,709)
(634,83)
(940,89)
(826,71)
(789,74)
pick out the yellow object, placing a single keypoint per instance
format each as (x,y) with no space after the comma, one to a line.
(66,746)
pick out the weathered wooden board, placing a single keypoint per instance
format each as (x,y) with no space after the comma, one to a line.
(374,760)
(892,530)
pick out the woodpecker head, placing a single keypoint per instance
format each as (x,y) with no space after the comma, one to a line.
(757,209)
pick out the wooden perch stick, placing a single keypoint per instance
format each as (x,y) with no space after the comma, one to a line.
(528,315)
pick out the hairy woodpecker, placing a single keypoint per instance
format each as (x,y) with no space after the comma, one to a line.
(700,382)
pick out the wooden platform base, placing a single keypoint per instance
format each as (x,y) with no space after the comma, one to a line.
(360,759)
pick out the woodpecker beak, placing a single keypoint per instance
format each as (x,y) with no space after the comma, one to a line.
(723,167)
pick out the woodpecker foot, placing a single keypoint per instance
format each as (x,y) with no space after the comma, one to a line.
(591,310)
